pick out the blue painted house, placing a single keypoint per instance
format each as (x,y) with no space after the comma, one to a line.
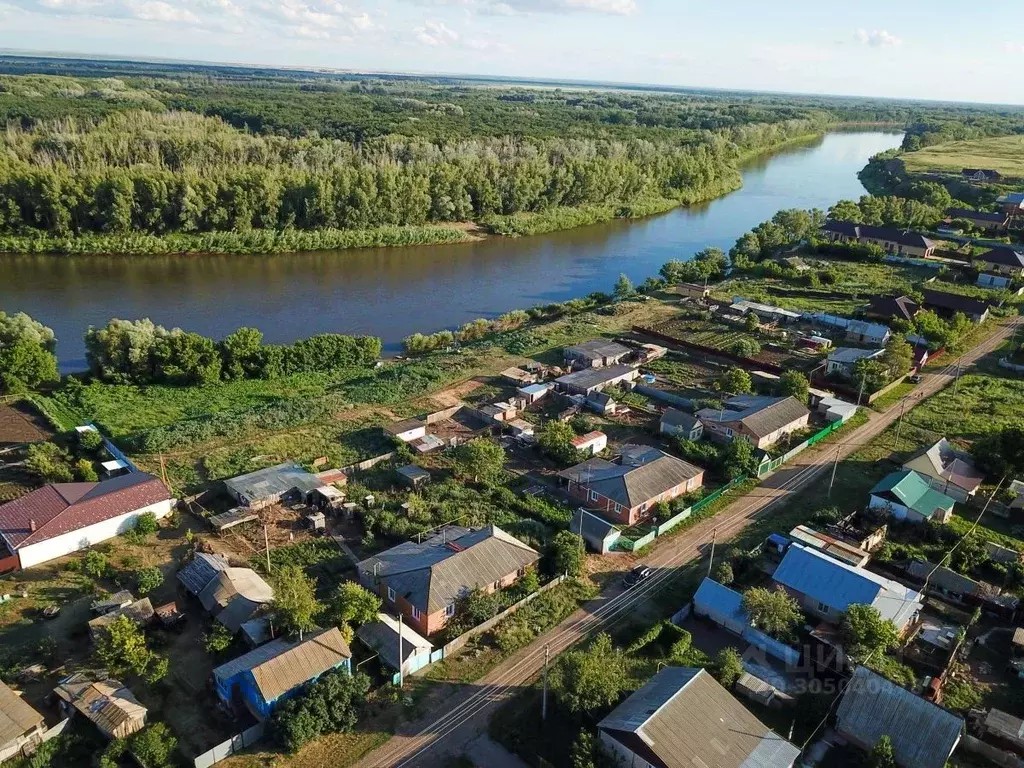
(278,670)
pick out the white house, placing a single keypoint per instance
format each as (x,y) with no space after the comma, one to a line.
(62,518)
(591,443)
(681,424)
(407,430)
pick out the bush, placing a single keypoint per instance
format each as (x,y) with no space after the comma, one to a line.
(154,746)
(218,639)
(566,553)
(332,704)
(50,461)
(90,441)
(728,667)
(148,579)
(86,471)
(95,564)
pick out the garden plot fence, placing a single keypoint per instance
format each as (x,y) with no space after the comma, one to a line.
(226,749)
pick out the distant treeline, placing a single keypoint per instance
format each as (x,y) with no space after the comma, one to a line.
(140,352)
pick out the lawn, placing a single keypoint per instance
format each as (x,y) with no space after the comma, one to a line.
(1003,153)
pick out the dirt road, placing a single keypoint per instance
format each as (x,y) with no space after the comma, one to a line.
(464,716)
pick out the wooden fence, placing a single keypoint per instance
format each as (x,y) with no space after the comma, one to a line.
(368,464)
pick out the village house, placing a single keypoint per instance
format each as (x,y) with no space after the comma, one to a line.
(953,587)
(601,403)
(423,581)
(106,703)
(61,518)
(272,485)
(398,646)
(591,443)
(407,430)
(923,734)
(981,174)
(681,718)
(896,242)
(766,313)
(843,360)
(908,496)
(685,426)
(857,331)
(947,305)
(1005,261)
(890,308)
(233,596)
(519,377)
(763,421)
(266,676)
(690,290)
(990,222)
(826,587)
(21,727)
(534,392)
(627,489)
(595,379)
(598,353)
(1012,204)
(947,469)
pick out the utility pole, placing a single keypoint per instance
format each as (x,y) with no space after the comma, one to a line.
(956,381)
(266,544)
(831,482)
(860,393)
(714,538)
(899,425)
(544,701)
(401,660)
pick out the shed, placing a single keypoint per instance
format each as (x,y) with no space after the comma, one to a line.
(407,430)
(599,534)
(327,498)
(281,482)
(112,602)
(756,689)
(203,569)
(141,612)
(114,467)
(534,392)
(21,727)
(107,703)
(317,521)
(721,605)
(236,516)
(413,476)
(382,637)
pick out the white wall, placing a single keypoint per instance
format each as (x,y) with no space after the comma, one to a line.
(84,538)
(626,757)
(413,434)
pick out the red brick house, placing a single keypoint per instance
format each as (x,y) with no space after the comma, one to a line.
(626,489)
(423,581)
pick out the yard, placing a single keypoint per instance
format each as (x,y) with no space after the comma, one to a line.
(1003,153)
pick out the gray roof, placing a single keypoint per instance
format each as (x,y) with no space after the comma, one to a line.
(405,425)
(848,355)
(923,734)
(943,578)
(632,483)
(761,415)
(433,574)
(203,569)
(594,377)
(16,717)
(591,527)
(1007,257)
(683,717)
(839,585)
(597,349)
(235,595)
(273,481)
(412,472)
(253,658)
(382,636)
(676,418)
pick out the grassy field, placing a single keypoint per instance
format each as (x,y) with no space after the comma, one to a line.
(1003,153)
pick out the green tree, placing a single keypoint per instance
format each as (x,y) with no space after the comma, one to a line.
(240,353)
(723,573)
(882,754)
(794,384)
(772,610)
(751,322)
(865,632)
(585,680)
(122,649)
(49,461)
(26,352)
(1001,453)
(90,441)
(735,381)
(738,458)
(85,471)
(332,704)
(728,667)
(354,606)
(566,553)
(555,438)
(148,579)
(898,357)
(295,604)
(624,288)
(970,554)
(218,639)
(146,524)
(870,375)
(745,347)
(154,746)
(481,460)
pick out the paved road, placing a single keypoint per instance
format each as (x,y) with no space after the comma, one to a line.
(461,719)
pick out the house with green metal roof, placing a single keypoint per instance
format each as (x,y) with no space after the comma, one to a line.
(908,496)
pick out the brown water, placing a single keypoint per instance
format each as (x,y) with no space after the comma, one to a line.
(392,292)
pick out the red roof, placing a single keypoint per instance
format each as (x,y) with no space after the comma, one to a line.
(61,508)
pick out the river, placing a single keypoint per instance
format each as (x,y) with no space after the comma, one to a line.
(392,292)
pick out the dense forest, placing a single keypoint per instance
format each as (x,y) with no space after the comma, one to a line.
(139,157)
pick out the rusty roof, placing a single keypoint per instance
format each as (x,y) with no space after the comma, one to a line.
(60,508)
(107,703)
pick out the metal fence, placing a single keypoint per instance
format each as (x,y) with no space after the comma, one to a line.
(226,749)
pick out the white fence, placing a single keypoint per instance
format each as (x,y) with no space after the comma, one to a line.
(235,744)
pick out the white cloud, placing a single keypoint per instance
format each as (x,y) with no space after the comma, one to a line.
(877,38)
(436,33)
(157,10)
(517,7)
(1013,47)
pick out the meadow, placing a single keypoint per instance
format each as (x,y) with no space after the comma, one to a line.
(1002,153)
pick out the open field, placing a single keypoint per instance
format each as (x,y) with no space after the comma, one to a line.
(1003,153)
(20,423)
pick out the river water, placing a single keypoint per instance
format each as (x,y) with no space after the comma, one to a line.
(392,292)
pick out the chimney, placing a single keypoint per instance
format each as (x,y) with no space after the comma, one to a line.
(32,525)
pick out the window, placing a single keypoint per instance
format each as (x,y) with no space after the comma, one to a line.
(593,495)
(822,608)
(449,610)
(416,613)
(728,431)
(391,594)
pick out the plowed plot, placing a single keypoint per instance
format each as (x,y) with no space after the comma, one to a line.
(20,423)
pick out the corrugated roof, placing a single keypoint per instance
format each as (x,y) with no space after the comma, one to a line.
(413,472)
(597,349)
(253,658)
(111,706)
(852,354)
(923,734)
(954,302)
(595,377)
(839,585)
(232,582)
(775,416)
(203,569)
(943,578)
(948,463)
(676,418)
(912,491)
(433,574)
(141,611)
(16,717)
(382,636)
(591,527)
(300,663)
(272,481)
(1007,257)
(684,718)
(61,508)
(630,484)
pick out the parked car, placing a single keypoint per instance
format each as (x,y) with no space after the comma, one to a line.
(638,574)
(914,379)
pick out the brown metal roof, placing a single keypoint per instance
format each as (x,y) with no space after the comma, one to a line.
(107,703)
(16,717)
(309,659)
(61,508)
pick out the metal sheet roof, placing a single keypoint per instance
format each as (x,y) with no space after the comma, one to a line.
(300,663)
(684,718)
(923,734)
(597,349)
(632,484)
(107,703)
(595,377)
(203,569)
(912,491)
(382,636)
(16,717)
(272,482)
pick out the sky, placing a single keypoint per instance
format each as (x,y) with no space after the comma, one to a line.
(890,48)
